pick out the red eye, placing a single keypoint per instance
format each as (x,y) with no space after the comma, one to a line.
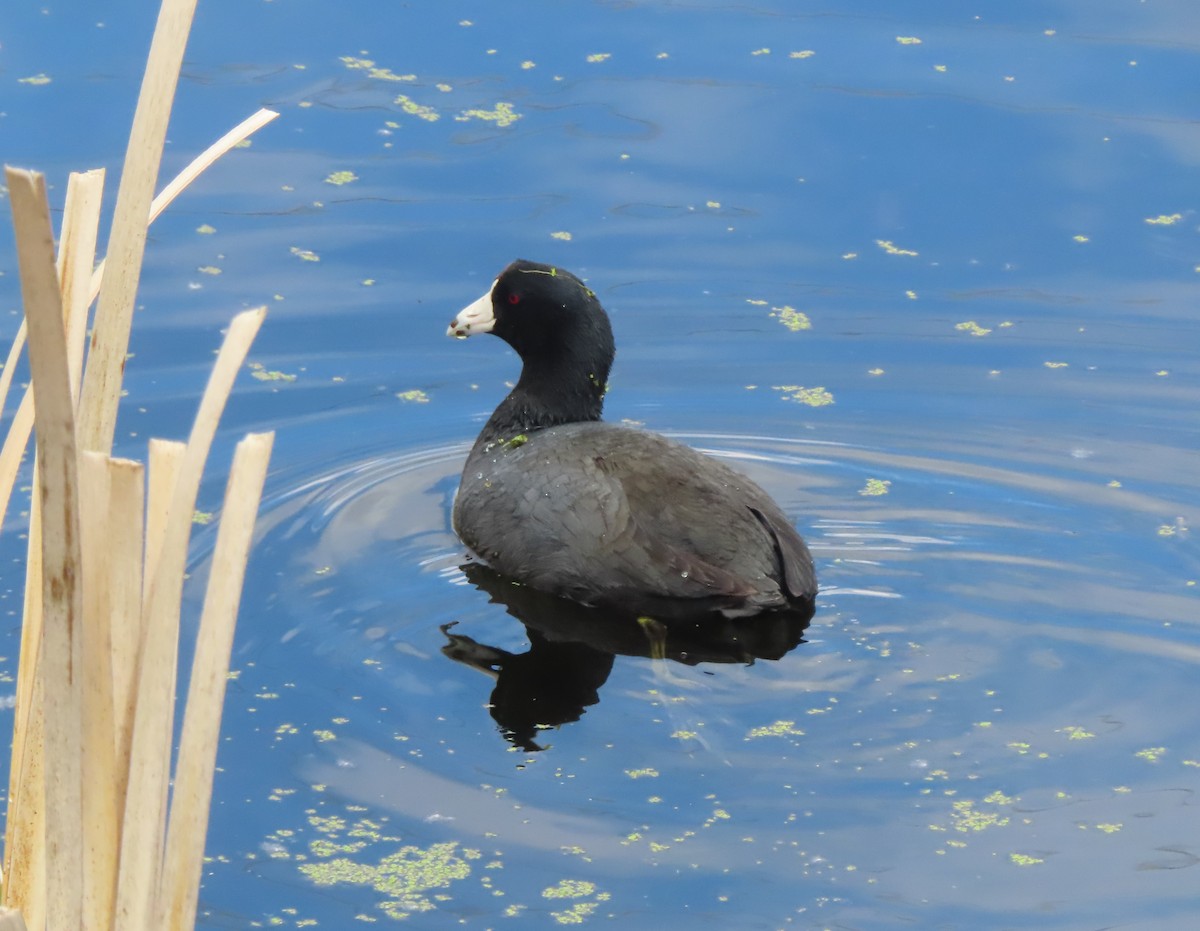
(514,298)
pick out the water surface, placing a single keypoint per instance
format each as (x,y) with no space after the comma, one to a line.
(927,272)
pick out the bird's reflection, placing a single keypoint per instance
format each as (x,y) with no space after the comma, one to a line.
(571,651)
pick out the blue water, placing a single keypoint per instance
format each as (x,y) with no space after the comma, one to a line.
(992,233)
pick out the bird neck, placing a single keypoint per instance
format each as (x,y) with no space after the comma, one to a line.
(549,393)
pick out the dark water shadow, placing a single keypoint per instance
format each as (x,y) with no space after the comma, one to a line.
(572,648)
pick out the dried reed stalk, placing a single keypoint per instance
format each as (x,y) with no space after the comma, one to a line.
(76,256)
(96,680)
(126,518)
(150,756)
(61,660)
(127,241)
(194,169)
(206,688)
(102,807)
(76,259)
(18,433)
(246,128)
(10,364)
(60,665)
(104,842)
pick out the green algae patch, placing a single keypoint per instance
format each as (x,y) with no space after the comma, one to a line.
(966,818)
(262,373)
(586,899)
(373,71)
(791,318)
(406,877)
(569,889)
(892,249)
(412,108)
(813,397)
(339,178)
(413,396)
(970,326)
(502,115)
(778,729)
(875,487)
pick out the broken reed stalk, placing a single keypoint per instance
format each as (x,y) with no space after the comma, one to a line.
(76,259)
(91,854)
(61,652)
(124,738)
(104,574)
(100,807)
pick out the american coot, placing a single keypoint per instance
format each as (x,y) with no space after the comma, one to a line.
(603,514)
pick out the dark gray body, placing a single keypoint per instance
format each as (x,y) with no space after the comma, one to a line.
(613,516)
